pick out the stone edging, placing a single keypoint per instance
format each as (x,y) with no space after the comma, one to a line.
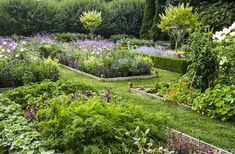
(110,79)
(137,90)
(193,144)
(198,144)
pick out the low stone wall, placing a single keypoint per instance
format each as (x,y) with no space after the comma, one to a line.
(185,144)
(178,141)
(111,79)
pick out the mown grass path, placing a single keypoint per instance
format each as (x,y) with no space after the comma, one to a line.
(221,134)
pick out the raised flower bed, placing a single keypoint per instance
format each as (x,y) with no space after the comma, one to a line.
(103,61)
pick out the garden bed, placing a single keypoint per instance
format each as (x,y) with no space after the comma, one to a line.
(185,144)
(139,90)
(110,79)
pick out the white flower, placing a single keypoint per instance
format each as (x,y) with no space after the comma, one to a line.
(8,50)
(22,50)
(23,42)
(4,43)
(3,50)
(223,61)
(226,30)
(232,26)
(17,55)
(232,34)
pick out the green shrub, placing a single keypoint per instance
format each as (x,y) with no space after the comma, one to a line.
(95,126)
(73,9)
(218,102)
(29,16)
(204,67)
(68,37)
(180,92)
(170,64)
(135,42)
(217,15)
(18,134)
(49,50)
(125,17)
(45,90)
(119,37)
(147,22)
(22,72)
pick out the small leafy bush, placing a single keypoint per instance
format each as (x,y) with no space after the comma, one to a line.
(18,134)
(68,37)
(204,60)
(24,72)
(135,42)
(180,92)
(170,64)
(26,95)
(217,102)
(91,20)
(119,37)
(49,50)
(94,126)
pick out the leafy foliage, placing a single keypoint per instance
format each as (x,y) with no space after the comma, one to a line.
(170,64)
(217,102)
(26,95)
(18,135)
(217,15)
(147,22)
(22,72)
(204,68)
(176,21)
(93,125)
(91,20)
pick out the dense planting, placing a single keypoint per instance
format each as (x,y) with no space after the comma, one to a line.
(26,17)
(64,116)
(47,111)
(101,59)
(20,64)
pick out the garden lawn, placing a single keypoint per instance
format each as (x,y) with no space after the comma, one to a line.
(218,133)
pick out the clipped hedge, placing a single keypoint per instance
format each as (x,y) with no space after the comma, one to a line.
(26,17)
(170,64)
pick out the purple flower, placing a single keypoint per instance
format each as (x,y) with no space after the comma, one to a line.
(95,45)
(156,51)
(44,38)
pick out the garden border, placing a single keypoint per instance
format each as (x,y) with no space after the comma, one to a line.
(136,90)
(110,79)
(200,145)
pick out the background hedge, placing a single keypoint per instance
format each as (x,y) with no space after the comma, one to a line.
(25,17)
(170,64)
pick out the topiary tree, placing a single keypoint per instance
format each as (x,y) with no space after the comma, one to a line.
(147,22)
(91,20)
(176,21)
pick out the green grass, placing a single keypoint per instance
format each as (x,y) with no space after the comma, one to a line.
(221,134)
